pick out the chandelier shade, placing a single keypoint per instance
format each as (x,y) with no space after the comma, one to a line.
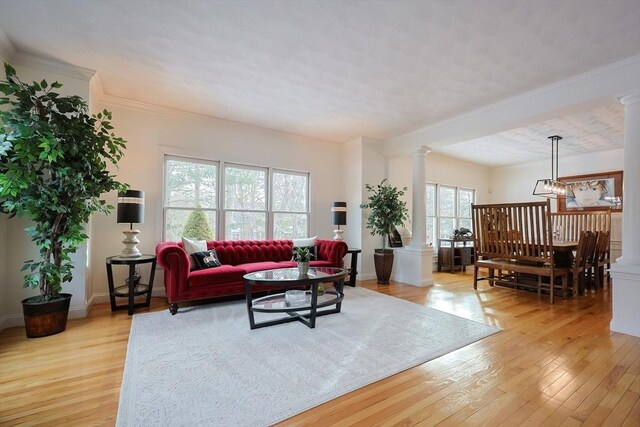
(552,187)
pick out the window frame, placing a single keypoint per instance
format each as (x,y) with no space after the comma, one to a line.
(436,203)
(221,205)
(273,212)
(165,207)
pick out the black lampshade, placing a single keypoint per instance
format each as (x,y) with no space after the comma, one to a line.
(339,213)
(131,207)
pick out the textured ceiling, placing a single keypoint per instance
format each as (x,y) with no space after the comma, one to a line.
(597,129)
(326,69)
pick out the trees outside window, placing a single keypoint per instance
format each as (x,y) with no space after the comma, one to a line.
(190,186)
(245,201)
(290,205)
(258,202)
(448,208)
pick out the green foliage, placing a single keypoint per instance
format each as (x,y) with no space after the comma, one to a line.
(197,226)
(53,170)
(388,210)
(302,254)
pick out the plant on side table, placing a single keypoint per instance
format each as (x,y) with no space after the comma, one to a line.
(53,170)
(387,211)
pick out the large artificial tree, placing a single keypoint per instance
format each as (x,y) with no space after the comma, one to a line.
(387,210)
(53,170)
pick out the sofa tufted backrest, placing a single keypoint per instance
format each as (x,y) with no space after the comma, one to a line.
(236,252)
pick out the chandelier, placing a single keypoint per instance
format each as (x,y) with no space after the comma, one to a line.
(551,187)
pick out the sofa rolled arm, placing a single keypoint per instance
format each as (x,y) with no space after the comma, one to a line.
(332,251)
(175,262)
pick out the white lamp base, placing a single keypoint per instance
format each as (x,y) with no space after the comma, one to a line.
(338,234)
(130,242)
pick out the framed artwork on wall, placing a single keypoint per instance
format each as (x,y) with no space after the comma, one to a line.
(592,192)
(395,240)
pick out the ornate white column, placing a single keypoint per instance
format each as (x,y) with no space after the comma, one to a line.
(625,273)
(414,263)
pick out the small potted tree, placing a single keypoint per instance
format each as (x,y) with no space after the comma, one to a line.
(53,170)
(387,210)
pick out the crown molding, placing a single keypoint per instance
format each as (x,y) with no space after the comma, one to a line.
(146,107)
(7,50)
(53,65)
(96,86)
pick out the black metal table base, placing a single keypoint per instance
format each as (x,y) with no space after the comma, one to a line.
(294,314)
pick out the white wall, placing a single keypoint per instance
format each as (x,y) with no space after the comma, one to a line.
(150,133)
(515,183)
(374,170)
(352,166)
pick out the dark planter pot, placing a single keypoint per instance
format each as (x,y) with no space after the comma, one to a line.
(383,259)
(42,319)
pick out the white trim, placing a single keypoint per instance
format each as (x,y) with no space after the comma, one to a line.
(103,297)
(70,70)
(14,320)
(176,113)
(7,50)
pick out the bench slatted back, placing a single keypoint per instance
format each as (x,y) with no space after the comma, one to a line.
(571,224)
(516,231)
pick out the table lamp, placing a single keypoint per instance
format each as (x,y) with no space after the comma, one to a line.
(131,210)
(338,217)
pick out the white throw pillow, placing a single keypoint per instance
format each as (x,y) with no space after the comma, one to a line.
(310,241)
(191,247)
(307,243)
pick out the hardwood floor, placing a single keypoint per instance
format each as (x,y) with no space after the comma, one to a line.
(552,365)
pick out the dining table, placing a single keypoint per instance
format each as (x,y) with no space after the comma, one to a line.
(563,252)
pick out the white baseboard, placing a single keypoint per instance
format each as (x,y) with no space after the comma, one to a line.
(103,297)
(11,321)
(366,276)
(15,320)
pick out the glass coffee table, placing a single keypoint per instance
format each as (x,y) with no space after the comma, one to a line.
(305,310)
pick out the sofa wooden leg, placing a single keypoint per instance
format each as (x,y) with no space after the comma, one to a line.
(173,309)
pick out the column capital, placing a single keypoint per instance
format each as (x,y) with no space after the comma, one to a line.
(421,151)
(633,98)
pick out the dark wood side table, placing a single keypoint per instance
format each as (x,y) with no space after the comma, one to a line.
(453,253)
(353,271)
(130,290)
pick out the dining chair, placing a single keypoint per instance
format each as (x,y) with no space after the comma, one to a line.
(601,258)
(584,252)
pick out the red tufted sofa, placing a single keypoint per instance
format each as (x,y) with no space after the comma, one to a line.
(238,257)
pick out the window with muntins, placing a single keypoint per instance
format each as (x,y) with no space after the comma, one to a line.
(256,203)
(190,198)
(448,208)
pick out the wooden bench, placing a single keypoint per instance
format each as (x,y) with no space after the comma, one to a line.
(516,237)
(571,224)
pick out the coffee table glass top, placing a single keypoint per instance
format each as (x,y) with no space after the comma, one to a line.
(293,275)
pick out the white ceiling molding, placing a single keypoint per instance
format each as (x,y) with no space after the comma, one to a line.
(151,108)
(97,88)
(614,80)
(53,65)
(7,50)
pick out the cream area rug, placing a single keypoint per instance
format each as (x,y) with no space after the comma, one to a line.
(204,366)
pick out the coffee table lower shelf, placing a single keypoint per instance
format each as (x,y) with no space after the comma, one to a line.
(306,313)
(290,279)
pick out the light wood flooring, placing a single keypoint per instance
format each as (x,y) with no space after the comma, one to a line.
(552,365)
